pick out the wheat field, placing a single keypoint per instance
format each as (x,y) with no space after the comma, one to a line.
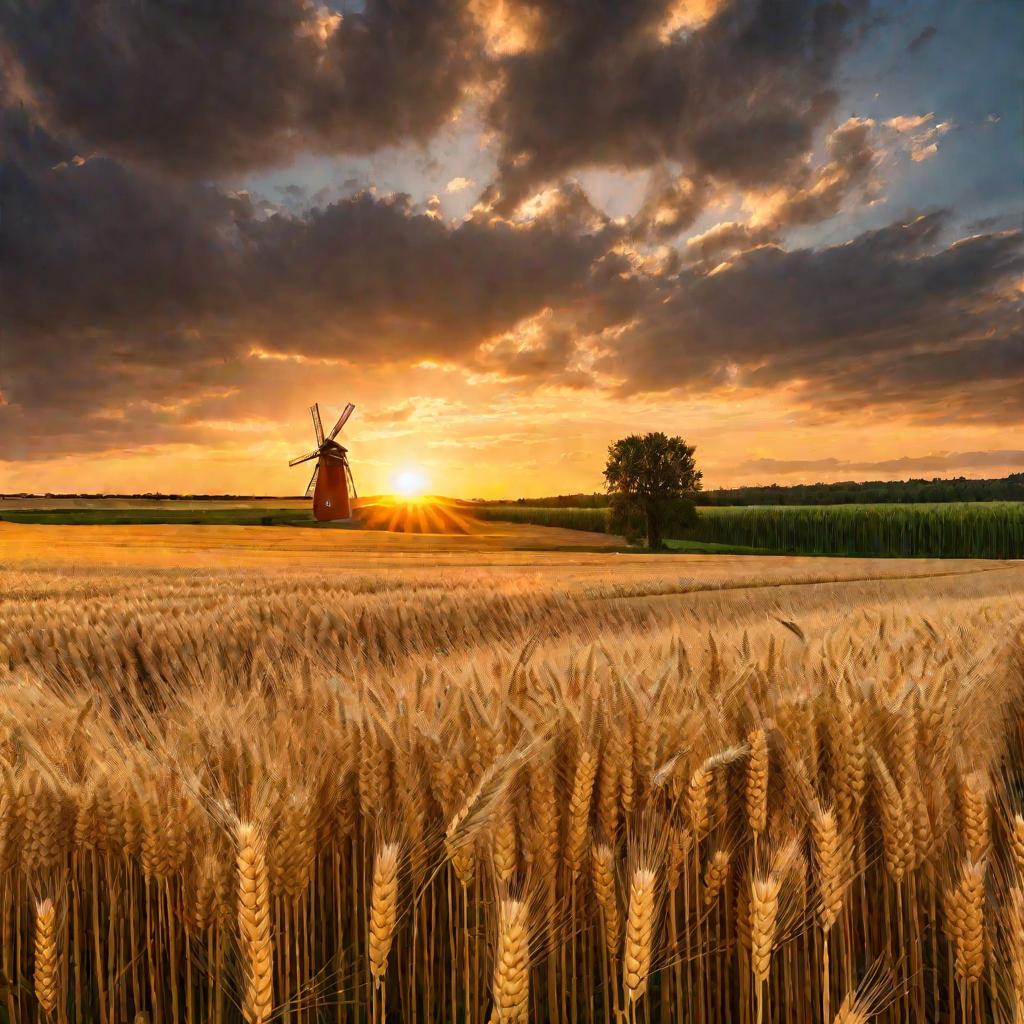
(466,784)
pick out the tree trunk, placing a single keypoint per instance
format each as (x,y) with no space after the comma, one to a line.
(654,528)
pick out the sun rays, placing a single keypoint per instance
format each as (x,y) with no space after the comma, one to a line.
(422,513)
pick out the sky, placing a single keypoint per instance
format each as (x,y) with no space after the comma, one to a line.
(510,231)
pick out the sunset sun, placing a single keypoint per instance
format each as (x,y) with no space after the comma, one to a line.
(409,484)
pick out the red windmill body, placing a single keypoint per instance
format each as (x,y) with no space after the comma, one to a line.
(331,484)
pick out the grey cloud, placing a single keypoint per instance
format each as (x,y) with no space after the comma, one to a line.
(813,195)
(737,98)
(118,287)
(670,205)
(890,316)
(220,86)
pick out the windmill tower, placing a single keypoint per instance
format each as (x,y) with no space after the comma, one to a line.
(332,476)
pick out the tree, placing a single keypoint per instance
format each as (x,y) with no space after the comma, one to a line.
(650,474)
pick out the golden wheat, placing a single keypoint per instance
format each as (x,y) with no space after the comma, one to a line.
(563,793)
(45,976)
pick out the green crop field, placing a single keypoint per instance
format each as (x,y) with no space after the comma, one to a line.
(593,519)
(966,530)
(954,530)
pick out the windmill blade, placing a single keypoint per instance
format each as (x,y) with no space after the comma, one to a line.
(314,411)
(351,479)
(303,458)
(312,481)
(342,420)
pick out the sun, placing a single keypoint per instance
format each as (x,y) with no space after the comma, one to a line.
(410,483)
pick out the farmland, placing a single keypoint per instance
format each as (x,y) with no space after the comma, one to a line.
(349,775)
(954,530)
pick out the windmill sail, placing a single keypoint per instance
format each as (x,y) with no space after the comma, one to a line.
(304,458)
(312,482)
(342,420)
(318,427)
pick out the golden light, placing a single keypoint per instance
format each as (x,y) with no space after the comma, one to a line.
(410,484)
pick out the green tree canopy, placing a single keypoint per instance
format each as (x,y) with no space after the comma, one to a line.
(648,473)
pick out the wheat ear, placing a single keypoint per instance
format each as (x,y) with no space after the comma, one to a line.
(383,909)
(764,915)
(579,810)
(757,782)
(974,794)
(966,906)
(716,874)
(512,964)
(1017,842)
(602,863)
(254,923)
(636,957)
(45,976)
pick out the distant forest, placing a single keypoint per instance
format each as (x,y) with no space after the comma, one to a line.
(870,492)
(851,492)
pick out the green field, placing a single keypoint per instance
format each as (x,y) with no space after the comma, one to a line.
(593,519)
(953,530)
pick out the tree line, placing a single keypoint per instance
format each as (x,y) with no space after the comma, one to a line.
(848,492)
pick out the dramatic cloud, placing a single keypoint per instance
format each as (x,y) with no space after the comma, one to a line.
(134,287)
(670,205)
(208,208)
(819,194)
(889,316)
(812,195)
(203,88)
(737,97)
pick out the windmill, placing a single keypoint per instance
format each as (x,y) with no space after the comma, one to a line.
(332,476)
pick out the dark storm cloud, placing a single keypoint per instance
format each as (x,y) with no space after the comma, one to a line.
(118,287)
(891,316)
(943,462)
(200,88)
(738,97)
(204,89)
(370,278)
(85,241)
